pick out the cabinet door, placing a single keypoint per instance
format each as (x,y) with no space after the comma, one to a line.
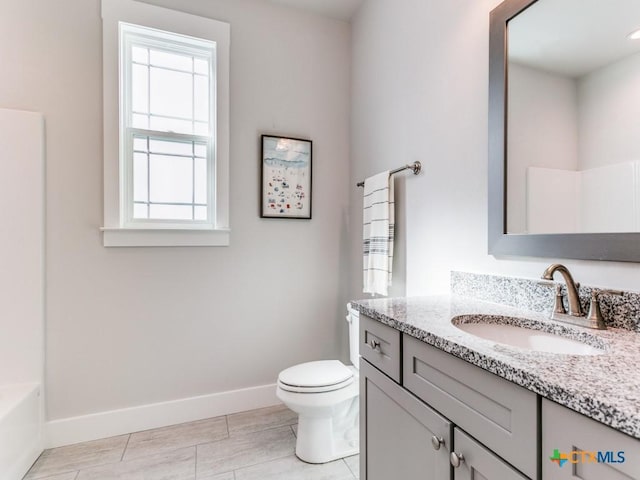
(478,463)
(592,451)
(396,432)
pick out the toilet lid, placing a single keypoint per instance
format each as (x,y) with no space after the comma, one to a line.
(316,376)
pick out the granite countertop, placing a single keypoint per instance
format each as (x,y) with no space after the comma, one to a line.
(605,387)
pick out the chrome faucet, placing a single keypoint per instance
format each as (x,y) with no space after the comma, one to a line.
(575,316)
(572,288)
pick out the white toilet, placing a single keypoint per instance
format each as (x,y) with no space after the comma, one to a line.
(324,394)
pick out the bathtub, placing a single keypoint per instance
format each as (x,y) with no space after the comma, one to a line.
(20,429)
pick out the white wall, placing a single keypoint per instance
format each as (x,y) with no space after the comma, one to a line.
(552,201)
(130,326)
(609,101)
(609,200)
(543,132)
(421,86)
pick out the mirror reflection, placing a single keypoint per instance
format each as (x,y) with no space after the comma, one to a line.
(573,120)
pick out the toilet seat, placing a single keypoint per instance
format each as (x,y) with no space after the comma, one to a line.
(316,377)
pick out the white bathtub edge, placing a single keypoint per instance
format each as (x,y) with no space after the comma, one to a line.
(21,438)
(67,431)
(23,464)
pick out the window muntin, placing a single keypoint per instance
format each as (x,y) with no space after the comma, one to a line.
(167,127)
(169,179)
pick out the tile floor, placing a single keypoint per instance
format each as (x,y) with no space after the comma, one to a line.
(254,445)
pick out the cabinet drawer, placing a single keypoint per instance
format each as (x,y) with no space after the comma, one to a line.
(571,434)
(380,345)
(499,414)
(479,462)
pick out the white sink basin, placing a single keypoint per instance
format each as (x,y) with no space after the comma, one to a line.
(527,338)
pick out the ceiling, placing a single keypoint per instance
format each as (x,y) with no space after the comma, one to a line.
(574,37)
(338,9)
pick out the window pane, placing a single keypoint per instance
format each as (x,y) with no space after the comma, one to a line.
(173,212)
(171,60)
(201,66)
(164,146)
(140,88)
(201,98)
(171,179)
(140,210)
(140,177)
(200,180)
(140,54)
(200,213)
(140,144)
(200,150)
(140,121)
(201,128)
(171,93)
(164,124)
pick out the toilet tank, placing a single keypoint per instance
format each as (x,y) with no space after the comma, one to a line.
(353,319)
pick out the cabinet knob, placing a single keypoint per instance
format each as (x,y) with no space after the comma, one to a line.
(456,459)
(437,442)
(375,344)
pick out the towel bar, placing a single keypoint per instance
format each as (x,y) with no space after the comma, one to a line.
(415,166)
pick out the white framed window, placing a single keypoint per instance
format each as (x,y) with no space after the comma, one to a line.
(167,119)
(166,141)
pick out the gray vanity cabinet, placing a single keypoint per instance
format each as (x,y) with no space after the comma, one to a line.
(568,431)
(426,414)
(412,395)
(498,413)
(399,433)
(479,463)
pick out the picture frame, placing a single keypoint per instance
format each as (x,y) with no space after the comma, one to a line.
(286,177)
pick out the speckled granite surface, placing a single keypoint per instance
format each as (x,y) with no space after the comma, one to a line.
(605,387)
(536,295)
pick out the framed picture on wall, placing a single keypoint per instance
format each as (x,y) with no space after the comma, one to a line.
(286,178)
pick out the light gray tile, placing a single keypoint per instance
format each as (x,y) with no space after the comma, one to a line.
(79,456)
(166,439)
(243,450)
(63,476)
(353,463)
(261,419)
(291,468)
(177,465)
(295,429)
(223,476)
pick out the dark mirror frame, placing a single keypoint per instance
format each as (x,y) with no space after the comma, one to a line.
(624,247)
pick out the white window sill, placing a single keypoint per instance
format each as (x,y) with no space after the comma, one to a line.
(164,237)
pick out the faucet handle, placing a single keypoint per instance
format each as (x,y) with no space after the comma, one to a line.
(595,315)
(617,293)
(558,304)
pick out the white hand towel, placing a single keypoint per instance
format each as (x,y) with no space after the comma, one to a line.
(377,233)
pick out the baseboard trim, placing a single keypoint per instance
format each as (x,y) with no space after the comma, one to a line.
(84,428)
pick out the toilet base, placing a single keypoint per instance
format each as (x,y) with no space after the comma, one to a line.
(328,438)
(328,421)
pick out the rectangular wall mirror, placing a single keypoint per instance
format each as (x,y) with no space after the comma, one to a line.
(564,135)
